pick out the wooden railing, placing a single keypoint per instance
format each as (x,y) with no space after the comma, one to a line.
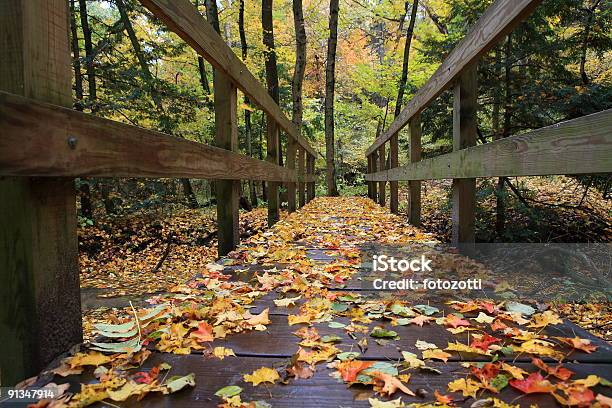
(44,145)
(578,146)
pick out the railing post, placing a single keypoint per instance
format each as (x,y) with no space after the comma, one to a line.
(464,136)
(272,138)
(393,185)
(414,197)
(374,170)
(370,171)
(292,149)
(226,137)
(40,309)
(310,169)
(301,174)
(382,164)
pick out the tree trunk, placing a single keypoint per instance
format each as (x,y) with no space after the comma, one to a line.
(404,77)
(270,55)
(164,122)
(248,128)
(585,42)
(300,63)
(330,68)
(500,220)
(89,63)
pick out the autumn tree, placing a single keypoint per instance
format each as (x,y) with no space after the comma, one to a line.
(330,83)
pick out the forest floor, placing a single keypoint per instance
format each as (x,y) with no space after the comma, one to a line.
(284,321)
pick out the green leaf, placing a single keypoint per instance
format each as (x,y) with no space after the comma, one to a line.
(500,382)
(177,383)
(336,325)
(228,391)
(348,355)
(426,309)
(339,307)
(383,333)
(130,346)
(516,307)
(332,338)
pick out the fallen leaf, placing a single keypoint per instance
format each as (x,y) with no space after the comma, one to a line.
(263,374)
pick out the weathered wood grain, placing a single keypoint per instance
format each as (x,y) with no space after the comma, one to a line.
(577,146)
(414,193)
(183,18)
(226,137)
(465,106)
(40,309)
(498,20)
(40,139)
(382,165)
(393,185)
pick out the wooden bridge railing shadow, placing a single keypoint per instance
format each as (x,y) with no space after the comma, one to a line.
(44,145)
(578,146)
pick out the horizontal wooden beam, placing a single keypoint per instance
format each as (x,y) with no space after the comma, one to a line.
(498,20)
(39,139)
(577,146)
(183,18)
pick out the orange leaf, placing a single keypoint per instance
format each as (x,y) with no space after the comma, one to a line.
(390,384)
(443,399)
(559,371)
(578,343)
(535,383)
(350,368)
(455,321)
(204,333)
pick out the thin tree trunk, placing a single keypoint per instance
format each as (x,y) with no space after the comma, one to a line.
(248,129)
(300,63)
(84,189)
(436,20)
(500,220)
(585,42)
(164,123)
(330,74)
(89,57)
(270,55)
(404,77)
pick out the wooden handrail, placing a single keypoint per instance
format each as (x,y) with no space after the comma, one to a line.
(498,20)
(41,139)
(183,18)
(577,146)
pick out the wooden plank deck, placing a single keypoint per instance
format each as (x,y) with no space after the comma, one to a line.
(321,240)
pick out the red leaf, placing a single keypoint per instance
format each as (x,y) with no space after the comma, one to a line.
(559,371)
(350,368)
(485,341)
(535,383)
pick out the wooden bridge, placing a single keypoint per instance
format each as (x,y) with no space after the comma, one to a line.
(44,145)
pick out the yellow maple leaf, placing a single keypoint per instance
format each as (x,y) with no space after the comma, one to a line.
(297,319)
(468,387)
(261,318)
(516,372)
(222,352)
(436,354)
(459,347)
(263,374)
(93,358)
(544,319)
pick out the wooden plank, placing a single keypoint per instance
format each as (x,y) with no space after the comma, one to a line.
(40,139)
(40,309)
(382,165)
(301,171)
(585,144)
(292,150)
(393,185)
(465,105)
(497,21)
(226,137)
(272,136)
(414,193)
(183,18)
(321,390)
